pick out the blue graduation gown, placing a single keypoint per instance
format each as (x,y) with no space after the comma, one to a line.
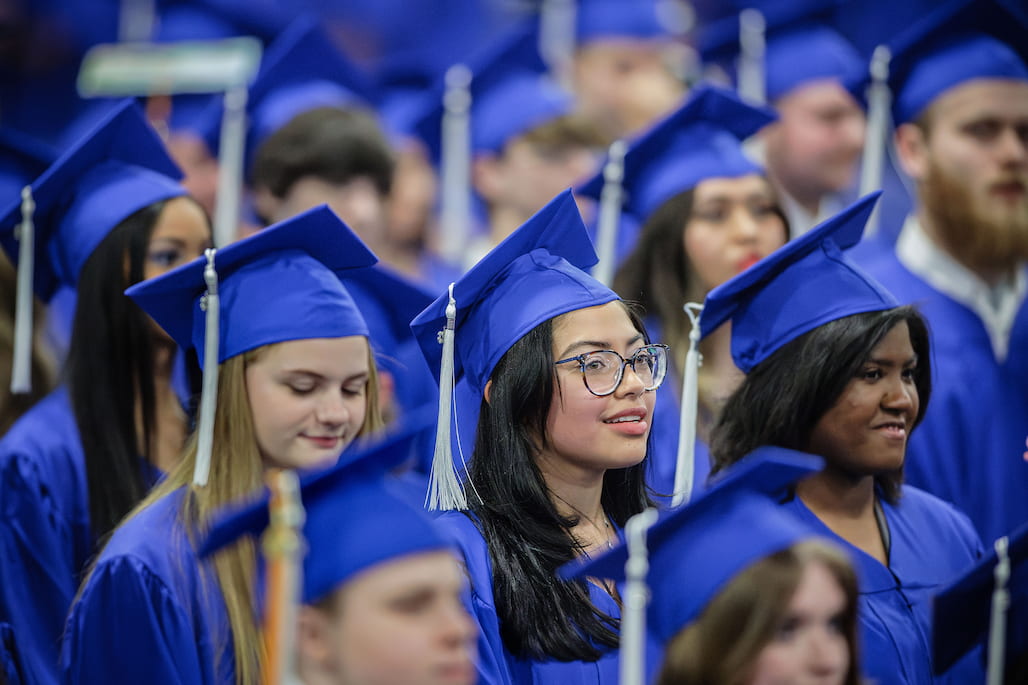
(931,544)
(495,664)
(969,448)
(660,474)
(45,535)
(10,660)
(151,611)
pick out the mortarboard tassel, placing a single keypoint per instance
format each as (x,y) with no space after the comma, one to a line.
(211,304)
(283,547)
(557,38)
(998,618)
(230,170)
(879,100)
(636,597)
(751,84)
(610,212)
(445,491)
(456,163)
(685,461)
(21,371)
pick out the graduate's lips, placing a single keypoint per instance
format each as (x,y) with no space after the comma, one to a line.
(894,429)
(1012,188)
(629,421)
(747,261)
(324,441)
(460,672)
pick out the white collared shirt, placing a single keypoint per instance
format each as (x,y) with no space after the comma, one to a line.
(800,220)
(997,306)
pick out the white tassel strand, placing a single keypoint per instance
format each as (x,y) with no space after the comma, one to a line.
(209,398)
(21,371)
(637,596)
(685,462)
(751,84)
(610,212)
(879,103)
(445,491)
(998,617)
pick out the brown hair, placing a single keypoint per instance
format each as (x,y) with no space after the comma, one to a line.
(721,647)
(236,472)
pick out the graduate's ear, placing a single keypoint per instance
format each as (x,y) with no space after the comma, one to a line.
(315,651)
(488,388)
(912,148)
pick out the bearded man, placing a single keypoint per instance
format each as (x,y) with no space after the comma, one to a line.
(960,85)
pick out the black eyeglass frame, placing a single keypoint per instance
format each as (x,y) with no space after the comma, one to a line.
(580,358)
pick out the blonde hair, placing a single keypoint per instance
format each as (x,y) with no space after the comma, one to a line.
(236,473)
(721,647)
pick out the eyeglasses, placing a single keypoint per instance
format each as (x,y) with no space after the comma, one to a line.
(603,370)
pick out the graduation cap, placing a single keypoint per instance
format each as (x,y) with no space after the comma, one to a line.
(118,168)
(280,284)
(354,520)
(597,20)
(702,139)
(301,70)
(22,159)
(800,46)
(802,285)
(965,613)
(960,41)
(535,274)
(694,551)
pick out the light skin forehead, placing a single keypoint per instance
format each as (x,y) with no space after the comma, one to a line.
(741,186)
(608,324)
(816,94)
(981,98)
(343,357)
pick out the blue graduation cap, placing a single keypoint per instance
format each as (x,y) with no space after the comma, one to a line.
(702,139)
(389,301)
(695,550)
(514,106)
(22,160)
(118,168)
(354,520)
(802,285)
(963,613)
(301,70)
(280,284)
(535,274)
(606,19)
(800,44)
(960,41)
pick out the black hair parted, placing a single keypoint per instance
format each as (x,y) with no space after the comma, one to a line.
(540,615)
(783,397)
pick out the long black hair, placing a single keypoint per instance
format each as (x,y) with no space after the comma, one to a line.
(540,615)
(784,396)
(110,371)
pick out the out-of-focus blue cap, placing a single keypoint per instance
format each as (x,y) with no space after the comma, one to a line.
(280,284)
(798,287)
(389,301)
(513,107)
(695,550)
(354,521)
(961,612)
(958,42)
(510,95)
(22,160)
(535,274)
(301,70)
(800,46)
(118,168)
(605,19)
(702,139)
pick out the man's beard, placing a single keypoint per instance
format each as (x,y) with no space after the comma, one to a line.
(986,236)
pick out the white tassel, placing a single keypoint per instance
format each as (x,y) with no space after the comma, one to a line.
(998,618)
(610,212)
(636,597)
(455,203)
(751,85)
(209,397)
(557,39)
(230,171)
(685,465)
(445,491)
(879,103)
(21,371)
